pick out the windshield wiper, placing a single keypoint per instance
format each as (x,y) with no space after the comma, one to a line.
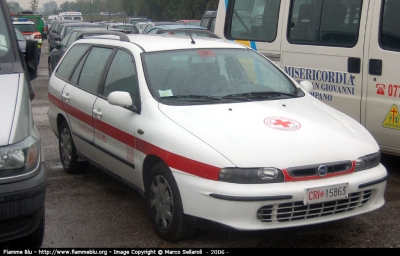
(192,97)
(260,95)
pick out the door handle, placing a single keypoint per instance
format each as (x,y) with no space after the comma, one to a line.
(354,65)
(97,113)
(375,67)
(65,96)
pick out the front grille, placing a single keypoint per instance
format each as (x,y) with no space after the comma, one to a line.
(298,211)
(312,170)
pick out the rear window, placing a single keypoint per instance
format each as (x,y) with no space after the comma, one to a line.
(26,27)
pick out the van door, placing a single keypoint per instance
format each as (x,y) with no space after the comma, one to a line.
(382,116)
(325,44)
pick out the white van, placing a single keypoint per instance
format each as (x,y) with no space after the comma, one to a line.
(348,49)
(70,16)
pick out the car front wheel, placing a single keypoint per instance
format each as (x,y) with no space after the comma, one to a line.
(165,205)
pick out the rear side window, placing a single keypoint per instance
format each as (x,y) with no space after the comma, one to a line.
(324,22)
(255,20)
(93,68)
(389,37)
(69,62)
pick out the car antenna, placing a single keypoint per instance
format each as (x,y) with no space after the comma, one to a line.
(193,42)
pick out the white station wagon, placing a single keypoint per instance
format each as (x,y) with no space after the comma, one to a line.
(207,129)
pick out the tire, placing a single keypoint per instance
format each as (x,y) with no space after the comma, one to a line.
(66,146)
(33,240)
(165,205)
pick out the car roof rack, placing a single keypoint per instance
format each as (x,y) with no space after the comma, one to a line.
(122,37)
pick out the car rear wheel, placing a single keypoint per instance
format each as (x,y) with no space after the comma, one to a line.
(66,146)
(165,205)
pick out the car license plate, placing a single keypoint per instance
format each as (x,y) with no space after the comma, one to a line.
(28,37)
(327,193)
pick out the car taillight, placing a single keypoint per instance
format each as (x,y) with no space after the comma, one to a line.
(38,36)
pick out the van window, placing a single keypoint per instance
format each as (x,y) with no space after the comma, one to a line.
(255,20)
(324,22)
(389,35)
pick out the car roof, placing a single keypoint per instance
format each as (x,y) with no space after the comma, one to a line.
(179,32)
(181,26)
(77,24)
(24,22)
(151,42)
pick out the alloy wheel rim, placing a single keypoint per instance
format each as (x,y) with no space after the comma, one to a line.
(161,202)
(66,147)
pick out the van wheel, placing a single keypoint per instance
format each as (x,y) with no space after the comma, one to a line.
(165,205)
(33,240)
(68,156)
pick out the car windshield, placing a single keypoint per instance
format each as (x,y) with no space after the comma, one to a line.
(4,39)
(205,76)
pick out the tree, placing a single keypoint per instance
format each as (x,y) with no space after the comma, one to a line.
(49,7)
(33,4)
(14,6)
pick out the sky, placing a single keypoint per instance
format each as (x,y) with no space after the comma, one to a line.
(25,3)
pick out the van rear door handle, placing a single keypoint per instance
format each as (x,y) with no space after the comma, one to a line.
(375,67)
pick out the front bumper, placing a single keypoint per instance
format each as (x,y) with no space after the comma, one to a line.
(280,205)
(22,206)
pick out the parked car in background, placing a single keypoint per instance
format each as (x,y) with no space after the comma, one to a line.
(29,30)
(56,28)
(23,178)
(36,18)
(129,27)
(189,22)
(104,13)
(133,21)
(208,20)
(79,25)
(140,26)
(158,28)
(150,25)
(242,144)
(23,44)
(59,48)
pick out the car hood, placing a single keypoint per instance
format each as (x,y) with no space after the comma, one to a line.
(282,133)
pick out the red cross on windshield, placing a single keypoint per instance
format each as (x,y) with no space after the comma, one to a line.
(284,124)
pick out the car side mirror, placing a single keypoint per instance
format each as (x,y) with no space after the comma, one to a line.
(122,99)
(32,57)
(307,86)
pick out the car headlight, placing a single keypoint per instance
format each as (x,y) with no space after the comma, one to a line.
(251,175)
(19,158)
(368,162)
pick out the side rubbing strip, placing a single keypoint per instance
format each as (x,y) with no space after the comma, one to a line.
(251,199)
(373,182)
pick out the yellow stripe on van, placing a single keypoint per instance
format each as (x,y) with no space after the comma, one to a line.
(243,42)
